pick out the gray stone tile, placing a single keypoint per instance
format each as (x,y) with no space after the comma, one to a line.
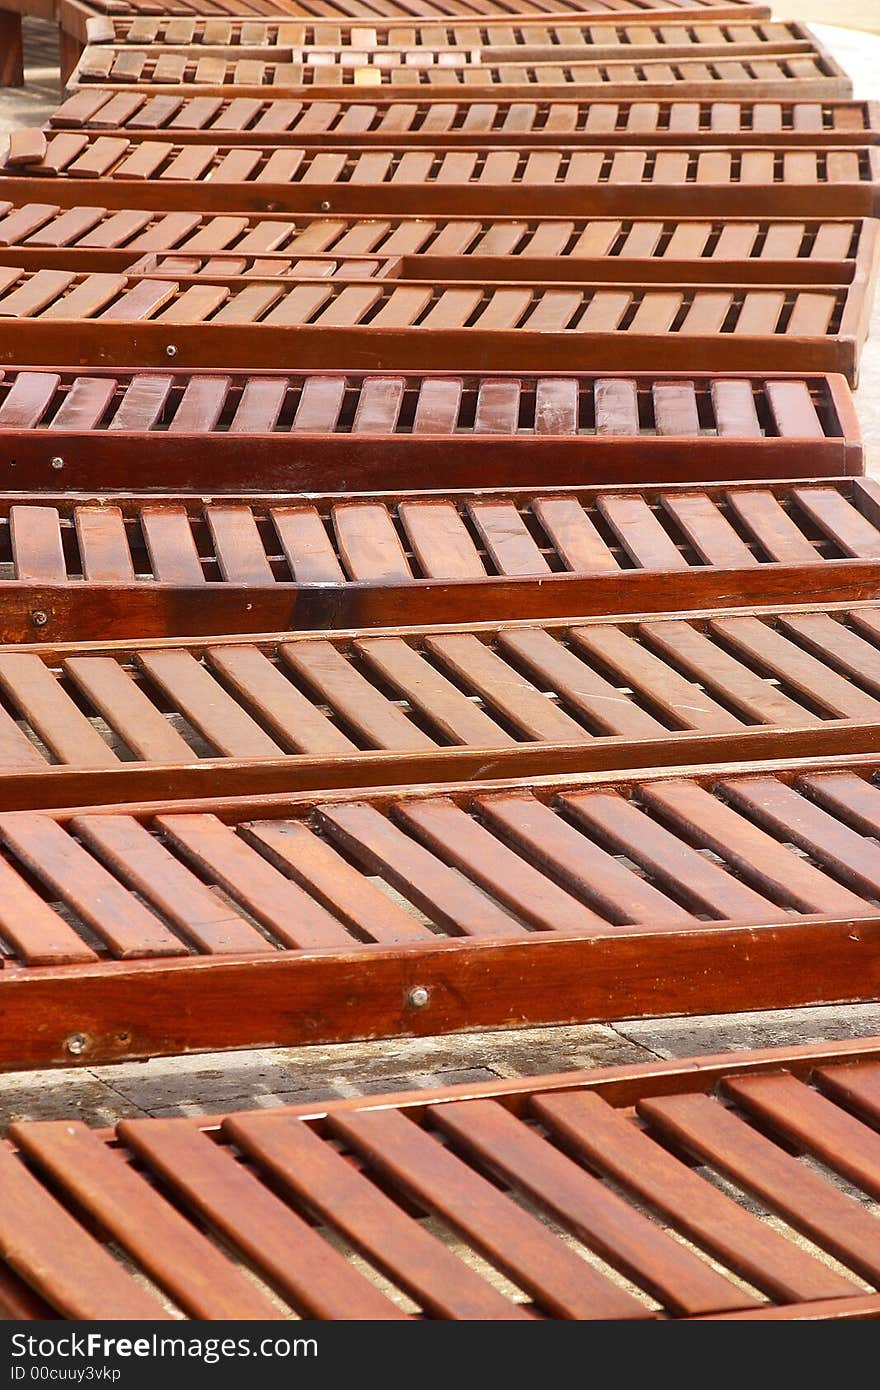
(688,1037)
(56,1095)
(215,1081)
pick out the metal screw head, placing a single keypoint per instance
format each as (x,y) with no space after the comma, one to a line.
(171,350)
(325,206)
(39,617)
(56,462)
(76,1044)
(418,997)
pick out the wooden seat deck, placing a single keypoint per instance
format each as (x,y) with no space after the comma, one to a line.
(738,1186)
(794,71)
(814,250)
(388,11)
(168,565)
(86,724)
(72,168)
(80,20)
(566,37)
(257,321)
(174,926)
(537,121)
(355,431)
(393,11)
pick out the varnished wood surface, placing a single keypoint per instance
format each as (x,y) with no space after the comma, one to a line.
(183,565)
(96,722)
(750,70)
(753,925)
(529,1180)
(222,321)
(422,121)
(354,431)
(641,250)
(75,167)
(405,41)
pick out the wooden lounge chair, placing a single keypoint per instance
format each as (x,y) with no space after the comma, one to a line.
(749,70)
(136,930)
(543,1192)
(87,723)
(313,431)
(183,565)
(269,321)
(677,250)
(491,120)
(77,19)
(72,168)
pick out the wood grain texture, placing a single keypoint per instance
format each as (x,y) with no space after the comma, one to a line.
(378,430)
(606,1155)
(760,925)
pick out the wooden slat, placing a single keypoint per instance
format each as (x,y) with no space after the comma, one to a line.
(217,716)
(317,867)
(148,868)
(753,695)
(415,1258)
(115,914)
(376,719)
(292,916)
(503,688)
(598,1133)
(446,707)
(587,1208)
(562,1282)
(444,896)
(440,540)
(454,836)
(676,699)
(62,1261)
(284,1248)
(833,1219)
(582,867)
(293,719)
(761,858)
(63,728)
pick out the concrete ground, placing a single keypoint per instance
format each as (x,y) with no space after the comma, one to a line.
(235,1081)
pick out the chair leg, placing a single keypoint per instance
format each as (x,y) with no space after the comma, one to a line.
(11,53)
(69,54)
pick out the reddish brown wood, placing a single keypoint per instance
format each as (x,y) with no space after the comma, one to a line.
(796,930)
(685,250)
(524,552)
(477,180)
(11,52)
(496,121)
(392,11)
(569,1147)
(738,62)
(533,35)
(83,20)
(381,323)
(374,708)
(363,431)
